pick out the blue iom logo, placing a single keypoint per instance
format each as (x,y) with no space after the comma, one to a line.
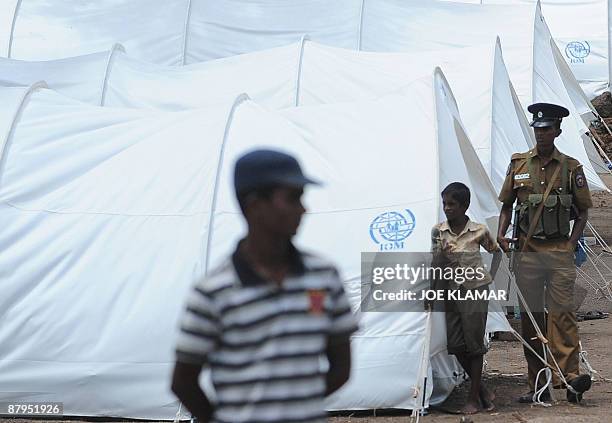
(390,229)
(577,51)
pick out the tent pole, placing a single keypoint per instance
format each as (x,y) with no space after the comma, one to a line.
(609,46)
(605,125)
(186,34)
(359,35)
(215,192)
(598,143)
(9,53)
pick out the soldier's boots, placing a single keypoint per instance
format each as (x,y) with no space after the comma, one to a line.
(581,384)
(528,397)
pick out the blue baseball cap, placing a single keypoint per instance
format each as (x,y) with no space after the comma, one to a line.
(264,168)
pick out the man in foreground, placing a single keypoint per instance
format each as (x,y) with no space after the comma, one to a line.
(262,320)
(548,186)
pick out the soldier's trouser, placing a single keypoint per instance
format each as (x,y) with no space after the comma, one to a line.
(547,278)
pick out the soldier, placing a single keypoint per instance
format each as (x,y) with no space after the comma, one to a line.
(550,189)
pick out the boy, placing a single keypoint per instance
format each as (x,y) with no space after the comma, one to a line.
(456,243)
(263,319)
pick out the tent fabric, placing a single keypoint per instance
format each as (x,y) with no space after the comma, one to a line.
(82,77)
(153,29)
(549,86)
(179,32)
(119,211)
(580,29)
(442,25)
(310,73)
(231,27)
(581,32)
(270,77)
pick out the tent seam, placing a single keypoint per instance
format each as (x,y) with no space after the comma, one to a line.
(24,208)
(13,24)
(186,30)
(237,102)
(93,213)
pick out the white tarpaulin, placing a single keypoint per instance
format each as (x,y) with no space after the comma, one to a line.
(549,85)
(177,32)
(270,77)
(153,29)
(108,216)
(528,53)
(303,73)
(580,29)
(231,27)
(82,77)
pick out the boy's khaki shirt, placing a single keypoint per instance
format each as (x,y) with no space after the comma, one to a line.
(463,249)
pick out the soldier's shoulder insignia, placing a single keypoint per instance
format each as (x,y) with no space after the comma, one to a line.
(579,178)
(509,169)
(517,156)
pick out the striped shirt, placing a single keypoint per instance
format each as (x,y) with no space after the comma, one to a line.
(262,341)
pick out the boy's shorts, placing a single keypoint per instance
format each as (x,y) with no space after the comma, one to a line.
(465,324)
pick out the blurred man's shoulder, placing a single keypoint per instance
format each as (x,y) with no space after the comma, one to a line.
(222,276)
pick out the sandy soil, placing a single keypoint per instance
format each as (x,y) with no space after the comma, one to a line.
(506,375)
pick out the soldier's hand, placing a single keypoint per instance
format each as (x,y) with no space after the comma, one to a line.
(504,243)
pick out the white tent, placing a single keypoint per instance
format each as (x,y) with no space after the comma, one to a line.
(226,28)
(304,73)
(580,29)
(177,32)
(528,53)
(553,82)
(112,209)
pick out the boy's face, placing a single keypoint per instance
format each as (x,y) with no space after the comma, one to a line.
(452,208)
(281,213)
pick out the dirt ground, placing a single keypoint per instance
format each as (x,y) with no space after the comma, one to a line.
(506,375)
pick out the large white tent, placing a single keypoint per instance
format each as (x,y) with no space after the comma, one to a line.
(119,211)
(581,33)
(177,32)
(95,195)
(307,73)
(387,25)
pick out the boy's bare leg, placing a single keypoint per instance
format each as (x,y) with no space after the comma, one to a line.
(478,392)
